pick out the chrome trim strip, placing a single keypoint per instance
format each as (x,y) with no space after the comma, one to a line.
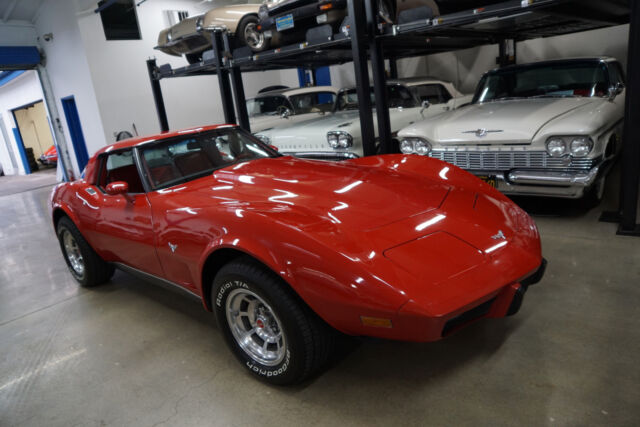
(560,179)
(324,155)
(159,281)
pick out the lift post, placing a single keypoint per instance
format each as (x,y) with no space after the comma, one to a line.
(630,181)
(223,76)
(157,95)
(360,68)
(237,85)
(379,78)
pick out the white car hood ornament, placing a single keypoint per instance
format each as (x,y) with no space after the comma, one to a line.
(481,133)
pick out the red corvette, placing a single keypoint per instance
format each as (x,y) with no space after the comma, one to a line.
(286,250)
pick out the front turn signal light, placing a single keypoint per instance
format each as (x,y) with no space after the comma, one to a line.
(376,322)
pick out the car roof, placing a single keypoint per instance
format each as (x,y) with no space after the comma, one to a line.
(298,91)
(132,142)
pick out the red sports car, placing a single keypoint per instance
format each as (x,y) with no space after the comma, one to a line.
(49,157)
(285,251)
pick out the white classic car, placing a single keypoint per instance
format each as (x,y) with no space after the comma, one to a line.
(287,106)
(544,129)
(337,136)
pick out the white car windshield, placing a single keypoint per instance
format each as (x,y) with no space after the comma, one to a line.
(558,79)
(310,102)
(397,96)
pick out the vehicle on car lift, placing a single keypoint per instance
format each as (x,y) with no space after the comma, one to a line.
(190,37)
(544,129)
(287,21)
(283,106)
(285,251)
(338,136)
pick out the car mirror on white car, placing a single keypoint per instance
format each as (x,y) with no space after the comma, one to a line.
(425,104)
(615,90)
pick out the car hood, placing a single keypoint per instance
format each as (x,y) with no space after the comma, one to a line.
(347,195)
(512,121)
(266,122)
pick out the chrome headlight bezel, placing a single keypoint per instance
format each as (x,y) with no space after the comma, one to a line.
(415,145)
(580,146)
(572,145)
(199,23)
(339,139)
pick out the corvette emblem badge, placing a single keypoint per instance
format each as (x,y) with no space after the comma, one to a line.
(499,236)
(172,247)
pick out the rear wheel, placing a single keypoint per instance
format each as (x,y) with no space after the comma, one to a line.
(193,58)
(271,332)
(249,35)
(84,263)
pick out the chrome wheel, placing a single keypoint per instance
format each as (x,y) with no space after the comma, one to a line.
(255,327)
(252,37)
(72,251)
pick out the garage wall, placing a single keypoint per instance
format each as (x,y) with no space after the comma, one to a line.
(17,34)
(68,70)
(24,89)
(465,67)
(121,81)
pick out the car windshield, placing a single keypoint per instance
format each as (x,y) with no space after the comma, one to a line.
(574,78)
(184,158)
(310,102)
(397,96)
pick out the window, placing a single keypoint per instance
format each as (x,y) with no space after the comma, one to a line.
(183,159)
(120,166)
(175,16)
(434,93)
(119,20)
(313,102)
(398,96)
(557,79)
(267,105)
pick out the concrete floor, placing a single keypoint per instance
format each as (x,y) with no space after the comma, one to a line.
(132,354)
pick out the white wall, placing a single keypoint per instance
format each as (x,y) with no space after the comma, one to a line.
(16,33)
(66,64)
(465,67)
(24,89)
(121,82)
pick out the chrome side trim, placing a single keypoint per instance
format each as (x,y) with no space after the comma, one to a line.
(159,281)
(324,155)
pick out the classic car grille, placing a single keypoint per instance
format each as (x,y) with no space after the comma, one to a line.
(506,160)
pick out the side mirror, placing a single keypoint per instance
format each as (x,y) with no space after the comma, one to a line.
(615,90)
(425,104)
(283,111)
(117,187)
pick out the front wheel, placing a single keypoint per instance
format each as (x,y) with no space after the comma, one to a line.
(84,263)
(271,332)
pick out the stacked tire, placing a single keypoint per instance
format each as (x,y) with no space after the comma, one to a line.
(31,159)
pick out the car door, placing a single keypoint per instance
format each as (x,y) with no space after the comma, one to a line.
(124,226)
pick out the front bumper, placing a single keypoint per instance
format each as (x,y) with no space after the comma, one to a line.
(539,182)
(194,43)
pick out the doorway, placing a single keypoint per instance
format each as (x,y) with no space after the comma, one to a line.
(75,131)
(34,133)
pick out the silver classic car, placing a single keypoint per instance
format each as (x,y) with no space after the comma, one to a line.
(544,129)
(337,135)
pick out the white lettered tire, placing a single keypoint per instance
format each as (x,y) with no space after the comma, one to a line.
(269,329)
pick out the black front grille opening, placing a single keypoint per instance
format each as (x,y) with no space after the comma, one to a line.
(467,317)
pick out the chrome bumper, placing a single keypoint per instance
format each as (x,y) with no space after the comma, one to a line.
(550,183)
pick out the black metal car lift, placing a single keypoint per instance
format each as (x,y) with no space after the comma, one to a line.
(515,20)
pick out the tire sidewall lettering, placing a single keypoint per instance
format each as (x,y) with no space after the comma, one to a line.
(227,286)
(269,372)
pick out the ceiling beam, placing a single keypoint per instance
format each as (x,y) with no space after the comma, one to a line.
(37,12)
(9,10)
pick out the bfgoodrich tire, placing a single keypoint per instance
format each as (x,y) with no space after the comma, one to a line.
(84,263)
(269,329)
